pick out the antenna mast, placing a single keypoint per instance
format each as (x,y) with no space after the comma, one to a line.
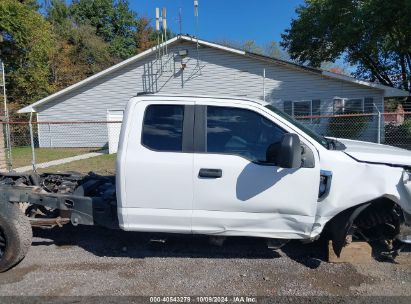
(180,20)
(158,35)
(165,28)
(161,29)
(196,16)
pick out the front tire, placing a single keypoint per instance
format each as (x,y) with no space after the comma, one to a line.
(15,236)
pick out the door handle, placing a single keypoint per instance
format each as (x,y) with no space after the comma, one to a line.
(210,173)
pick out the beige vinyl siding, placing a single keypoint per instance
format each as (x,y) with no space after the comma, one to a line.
(217,73)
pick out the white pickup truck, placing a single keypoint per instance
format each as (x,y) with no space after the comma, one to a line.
(221,166)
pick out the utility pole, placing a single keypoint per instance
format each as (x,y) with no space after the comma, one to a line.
(5,142)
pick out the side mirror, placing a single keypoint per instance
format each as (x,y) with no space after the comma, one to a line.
(287,153)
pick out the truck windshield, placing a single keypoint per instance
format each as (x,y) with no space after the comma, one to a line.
(317,137)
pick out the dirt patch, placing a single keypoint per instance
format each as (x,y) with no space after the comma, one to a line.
(16,274)
(338,282)
(61,291)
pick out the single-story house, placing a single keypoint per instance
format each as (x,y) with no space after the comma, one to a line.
(185,65)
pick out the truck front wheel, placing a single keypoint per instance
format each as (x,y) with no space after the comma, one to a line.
(15,236)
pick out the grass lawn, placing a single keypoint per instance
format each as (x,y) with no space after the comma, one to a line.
(22,155)
(104,164)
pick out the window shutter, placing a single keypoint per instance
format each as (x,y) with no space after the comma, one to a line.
(288,107)
(316,110)
(369,105)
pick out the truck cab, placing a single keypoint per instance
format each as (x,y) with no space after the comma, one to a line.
(237,167)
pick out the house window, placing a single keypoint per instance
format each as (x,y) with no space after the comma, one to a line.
(303,109)
(348,105)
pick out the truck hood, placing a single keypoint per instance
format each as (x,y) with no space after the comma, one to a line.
(376,153)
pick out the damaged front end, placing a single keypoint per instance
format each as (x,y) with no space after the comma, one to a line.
(381,222)
(384,221)
(370,197)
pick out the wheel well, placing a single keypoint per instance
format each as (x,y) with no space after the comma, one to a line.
(378,219)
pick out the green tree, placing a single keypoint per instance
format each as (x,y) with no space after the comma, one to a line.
(144,35)
(87,43)
(230,43)
(114,21)
(33,4)
(374,35)
(252,46)
(58,12)
(78,51)
(336,68)
(273,49)
(25,48)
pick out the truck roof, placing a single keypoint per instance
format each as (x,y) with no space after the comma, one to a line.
(220,97)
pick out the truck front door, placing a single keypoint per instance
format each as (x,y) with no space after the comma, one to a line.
(236,192)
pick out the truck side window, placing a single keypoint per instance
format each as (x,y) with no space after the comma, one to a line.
(240,132)
(163,127)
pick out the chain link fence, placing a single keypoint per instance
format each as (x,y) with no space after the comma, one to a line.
(392,128)
(364,127)
(63,146)
(92,145)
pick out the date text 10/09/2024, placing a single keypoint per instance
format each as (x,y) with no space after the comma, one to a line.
(203,299)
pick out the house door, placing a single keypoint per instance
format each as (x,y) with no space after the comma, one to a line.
(114,119)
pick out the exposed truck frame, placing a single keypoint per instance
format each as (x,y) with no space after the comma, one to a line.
(74,198)
(48,201)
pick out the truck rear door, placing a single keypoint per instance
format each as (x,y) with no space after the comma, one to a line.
(159,167)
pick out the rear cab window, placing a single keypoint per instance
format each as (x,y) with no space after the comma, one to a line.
(163,128)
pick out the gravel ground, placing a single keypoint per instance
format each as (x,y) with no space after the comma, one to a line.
(94,261)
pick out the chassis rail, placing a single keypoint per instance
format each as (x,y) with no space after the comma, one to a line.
(70,197)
